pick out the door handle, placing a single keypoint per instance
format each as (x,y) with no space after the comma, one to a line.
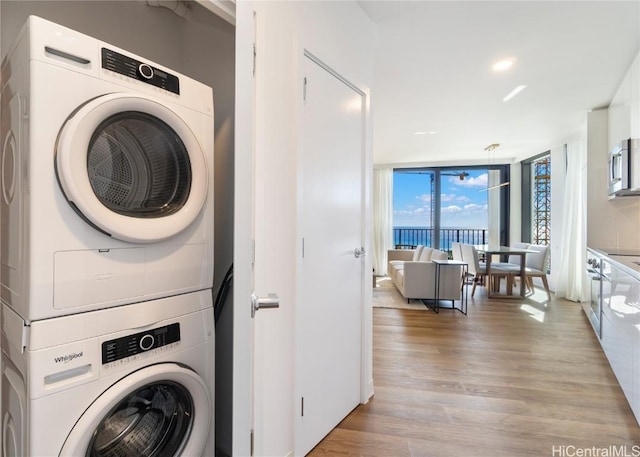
(359,252)
(270,301)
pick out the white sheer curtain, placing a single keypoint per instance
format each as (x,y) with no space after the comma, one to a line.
(382,218)
(572,282)
(493,210)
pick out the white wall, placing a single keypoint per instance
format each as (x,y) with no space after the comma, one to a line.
(340,34)
(600,218)
(515,203)
(129,24)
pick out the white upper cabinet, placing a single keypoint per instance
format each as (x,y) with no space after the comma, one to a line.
(624,110)
(635,98)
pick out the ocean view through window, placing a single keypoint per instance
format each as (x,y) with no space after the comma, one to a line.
(445,202)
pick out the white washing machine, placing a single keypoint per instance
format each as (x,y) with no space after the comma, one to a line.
(132,381)
(107,176)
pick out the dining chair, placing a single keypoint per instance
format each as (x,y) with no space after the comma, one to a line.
(456,253)
(476,270)
(514,259)
(512,266)
(535,267)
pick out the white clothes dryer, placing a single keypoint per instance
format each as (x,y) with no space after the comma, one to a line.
(107,176)
(132,381)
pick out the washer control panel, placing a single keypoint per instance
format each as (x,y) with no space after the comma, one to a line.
(130,346)
(124,65)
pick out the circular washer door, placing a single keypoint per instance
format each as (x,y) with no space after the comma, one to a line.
(131,167)
(159,411)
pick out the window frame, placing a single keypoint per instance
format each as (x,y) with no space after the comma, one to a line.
(505,174)
(527,195)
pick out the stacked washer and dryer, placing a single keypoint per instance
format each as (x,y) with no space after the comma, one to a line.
(107,252)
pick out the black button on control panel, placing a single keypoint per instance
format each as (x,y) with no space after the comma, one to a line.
(145,71)
(147,342)
(130,345)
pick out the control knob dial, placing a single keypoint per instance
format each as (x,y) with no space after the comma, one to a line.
(145,71)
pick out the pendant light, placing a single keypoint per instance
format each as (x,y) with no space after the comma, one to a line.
(489,150)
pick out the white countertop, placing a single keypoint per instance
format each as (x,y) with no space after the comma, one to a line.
(624,262)
(627,263)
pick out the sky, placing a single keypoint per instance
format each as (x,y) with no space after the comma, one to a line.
(462,204)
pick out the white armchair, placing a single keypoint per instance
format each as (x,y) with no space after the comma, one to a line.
(414,275)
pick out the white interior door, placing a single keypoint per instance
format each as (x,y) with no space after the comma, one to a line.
(329,310)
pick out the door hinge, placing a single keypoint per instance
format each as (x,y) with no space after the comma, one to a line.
(304,88)
(303,248)
(302,406)
(24,106)
(251,442)
(25,337)
(253,253)
(254,58)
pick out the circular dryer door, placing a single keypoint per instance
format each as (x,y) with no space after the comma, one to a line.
(131,167)
(159,411)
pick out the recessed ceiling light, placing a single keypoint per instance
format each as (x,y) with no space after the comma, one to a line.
(514,92)
(419,133)
(503,65)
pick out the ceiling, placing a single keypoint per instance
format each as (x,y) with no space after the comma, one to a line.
(433,73)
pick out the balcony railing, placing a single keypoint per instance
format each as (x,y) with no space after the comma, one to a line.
(408,237)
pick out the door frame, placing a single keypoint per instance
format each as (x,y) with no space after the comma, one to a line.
(243,247)
(366,318)
(244,243)
(366,375)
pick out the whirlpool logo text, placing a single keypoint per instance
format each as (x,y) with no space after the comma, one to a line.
(68,358)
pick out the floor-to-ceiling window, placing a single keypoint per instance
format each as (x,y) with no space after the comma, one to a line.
(536,199)
(438,206)
(541,201)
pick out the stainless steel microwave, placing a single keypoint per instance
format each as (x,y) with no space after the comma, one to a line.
(624,168)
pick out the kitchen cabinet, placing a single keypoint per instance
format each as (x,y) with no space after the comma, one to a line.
(624,109)
(620,319)
(635,98)
(617,218)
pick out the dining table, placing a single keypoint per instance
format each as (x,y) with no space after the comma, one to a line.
(491,250)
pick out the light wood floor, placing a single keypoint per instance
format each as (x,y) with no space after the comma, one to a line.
(513,378)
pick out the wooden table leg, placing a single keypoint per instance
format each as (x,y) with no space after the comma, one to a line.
(523,279)
(489,284)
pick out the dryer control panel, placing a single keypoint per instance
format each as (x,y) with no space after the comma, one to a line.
(132,345)
(124,65)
